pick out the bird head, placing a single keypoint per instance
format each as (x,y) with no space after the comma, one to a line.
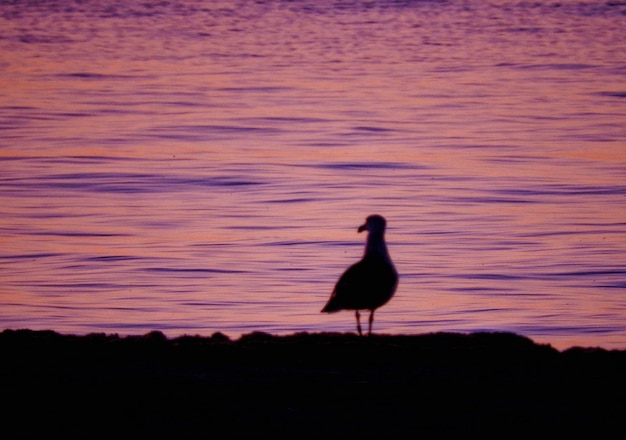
(373,223)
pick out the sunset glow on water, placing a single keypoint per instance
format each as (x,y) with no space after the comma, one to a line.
(195,167)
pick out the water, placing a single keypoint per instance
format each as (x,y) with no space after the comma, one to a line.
(194,167)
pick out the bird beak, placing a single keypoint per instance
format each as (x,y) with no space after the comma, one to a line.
(362,228)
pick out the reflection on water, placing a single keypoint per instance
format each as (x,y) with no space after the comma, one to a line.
(195,167)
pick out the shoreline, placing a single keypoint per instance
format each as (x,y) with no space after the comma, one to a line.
(307,385)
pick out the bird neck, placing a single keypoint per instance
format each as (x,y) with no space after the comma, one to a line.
(375,245)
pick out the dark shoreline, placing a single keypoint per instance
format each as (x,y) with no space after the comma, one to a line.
(322,385)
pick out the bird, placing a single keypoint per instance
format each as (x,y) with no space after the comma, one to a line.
(369,283)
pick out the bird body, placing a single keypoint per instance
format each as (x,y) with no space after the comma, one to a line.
(369,283)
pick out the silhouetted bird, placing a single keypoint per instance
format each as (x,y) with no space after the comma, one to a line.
(371,282)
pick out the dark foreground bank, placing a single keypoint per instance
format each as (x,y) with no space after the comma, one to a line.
(305,386)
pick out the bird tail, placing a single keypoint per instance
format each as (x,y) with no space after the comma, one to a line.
(331,306)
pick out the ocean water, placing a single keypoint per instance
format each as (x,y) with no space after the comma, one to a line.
(198,166)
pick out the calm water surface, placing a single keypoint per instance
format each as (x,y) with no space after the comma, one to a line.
(194,167)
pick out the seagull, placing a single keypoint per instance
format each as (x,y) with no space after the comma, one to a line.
(371,282)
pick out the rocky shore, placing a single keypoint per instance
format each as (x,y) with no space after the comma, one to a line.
(322,385)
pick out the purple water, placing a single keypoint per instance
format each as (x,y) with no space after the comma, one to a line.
(194,167)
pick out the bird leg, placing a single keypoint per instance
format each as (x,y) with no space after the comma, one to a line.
(369,333)
(358,322)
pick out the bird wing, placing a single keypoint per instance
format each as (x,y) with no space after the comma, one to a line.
(345,289)
(365,285)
